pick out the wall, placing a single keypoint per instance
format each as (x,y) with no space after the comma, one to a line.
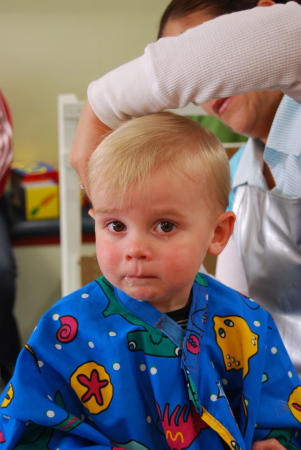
(52,47)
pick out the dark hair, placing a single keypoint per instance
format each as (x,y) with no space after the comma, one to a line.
(182,8)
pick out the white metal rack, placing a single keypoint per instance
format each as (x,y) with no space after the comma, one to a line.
(69,110)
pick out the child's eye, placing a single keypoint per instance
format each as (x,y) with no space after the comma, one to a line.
(117,227)
(166,227)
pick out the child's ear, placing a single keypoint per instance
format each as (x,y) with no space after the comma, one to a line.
(222,232)
(91,213)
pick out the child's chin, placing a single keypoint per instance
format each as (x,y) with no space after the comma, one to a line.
(140,294)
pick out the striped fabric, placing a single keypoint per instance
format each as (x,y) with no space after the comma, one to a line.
(6,153)
(246,168)
(180,316)
(283,148)
(282,153)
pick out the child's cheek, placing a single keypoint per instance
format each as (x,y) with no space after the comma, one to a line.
(108,257)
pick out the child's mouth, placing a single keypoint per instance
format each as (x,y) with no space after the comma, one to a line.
(137,279)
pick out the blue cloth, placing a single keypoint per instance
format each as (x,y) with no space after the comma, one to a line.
(234,163)
(282,154)
(105,371)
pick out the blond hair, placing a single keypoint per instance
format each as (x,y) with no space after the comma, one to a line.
(128,156)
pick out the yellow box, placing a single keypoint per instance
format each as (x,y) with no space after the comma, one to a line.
(41,199)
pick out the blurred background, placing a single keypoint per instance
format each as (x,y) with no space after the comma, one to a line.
(52,47)
(48,48)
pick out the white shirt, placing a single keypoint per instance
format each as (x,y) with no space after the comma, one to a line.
(282,153)
(234,53)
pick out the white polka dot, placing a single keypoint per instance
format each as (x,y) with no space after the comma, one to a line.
(82,417)
(142,367)
(58,346)
(56,316)
(213,397)
(149,419)
(207,296)
(85,295)
(35,328)
(246,402)
(50,414)
(255,425)
(116,366)
(6,417)
(153,370)
(40,363)
(50,398)
(91,344)
(112,333)
(224,381)
(257,323)
(251,300)
(290,374)
(296,434)
(274,350)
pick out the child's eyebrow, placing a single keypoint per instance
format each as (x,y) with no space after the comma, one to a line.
(170,212)
(160,212)
(105,211)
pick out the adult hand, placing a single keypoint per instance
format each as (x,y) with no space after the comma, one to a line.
(89,133)
(269,444)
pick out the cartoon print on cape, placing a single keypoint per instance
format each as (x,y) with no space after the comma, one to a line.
(193,340)
(93,386)
(230,332)
(249,302)
(68,330)
(182,426)
(131,445)
(149,340)
(294,403)
(37,436)
(8,396)
(30,350)
(283,436)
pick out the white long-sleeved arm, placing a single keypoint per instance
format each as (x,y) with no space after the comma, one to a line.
(249,50)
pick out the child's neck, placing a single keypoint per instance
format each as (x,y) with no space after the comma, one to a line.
(180,316)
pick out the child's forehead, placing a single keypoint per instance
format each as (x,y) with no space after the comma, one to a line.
(163,178)
(168,193)
(167,174)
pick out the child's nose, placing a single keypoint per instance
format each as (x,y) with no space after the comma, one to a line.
(138,249)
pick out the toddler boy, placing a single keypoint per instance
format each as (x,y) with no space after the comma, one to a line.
(154,355)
